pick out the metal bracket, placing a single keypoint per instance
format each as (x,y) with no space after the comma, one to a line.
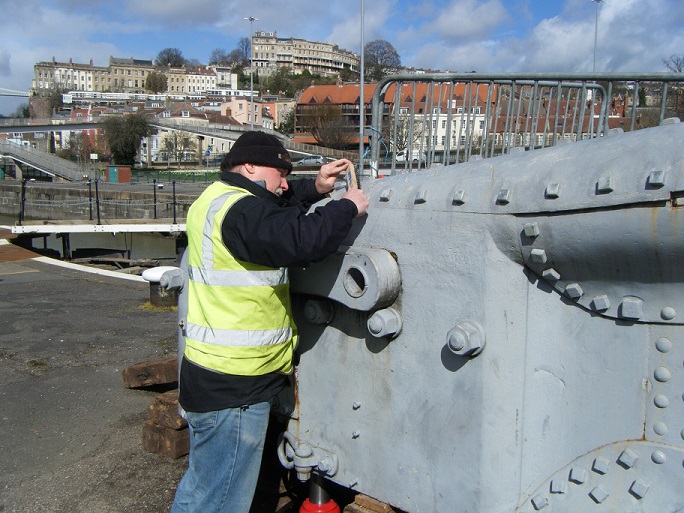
(304,457)
(362,279)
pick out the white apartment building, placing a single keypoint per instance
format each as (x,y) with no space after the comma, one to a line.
(225,78)
(270,53)
(67,75)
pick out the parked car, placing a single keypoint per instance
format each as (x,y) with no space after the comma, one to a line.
(311,160)
(415,156)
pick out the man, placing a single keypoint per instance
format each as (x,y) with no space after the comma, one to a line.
(243,232)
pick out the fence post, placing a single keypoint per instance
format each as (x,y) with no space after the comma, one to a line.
(174,202)
(23,201)
(154,195)
(97,201)
(90,197)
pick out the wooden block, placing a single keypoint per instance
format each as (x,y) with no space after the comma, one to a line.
(368,504)
(164,411)
(164,441)
(145,374)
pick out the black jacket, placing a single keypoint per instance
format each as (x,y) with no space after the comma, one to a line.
(274,231)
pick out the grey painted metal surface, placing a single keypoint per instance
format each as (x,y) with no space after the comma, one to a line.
(531,355)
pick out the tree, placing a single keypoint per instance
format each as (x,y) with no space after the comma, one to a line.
(675,98)
(22,111)
(347,75)
(245,49)
(675,63)
(237,58)
(381,59)
(156,82)
(124,134)
(328,126)
(287,125)
(177,145)
(170,57)
(79,147)
(407,136)
(219,57)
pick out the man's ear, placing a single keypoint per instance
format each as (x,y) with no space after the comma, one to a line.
(249,168)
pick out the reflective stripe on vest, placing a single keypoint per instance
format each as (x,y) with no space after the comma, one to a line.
(239,318)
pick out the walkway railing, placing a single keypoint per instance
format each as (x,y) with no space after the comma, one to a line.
(422,120)
(45,162)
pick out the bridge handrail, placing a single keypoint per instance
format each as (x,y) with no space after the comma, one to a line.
(46,162)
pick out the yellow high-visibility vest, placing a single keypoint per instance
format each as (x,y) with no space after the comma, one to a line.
(239,317)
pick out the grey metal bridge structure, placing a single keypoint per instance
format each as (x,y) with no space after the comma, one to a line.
(54,166)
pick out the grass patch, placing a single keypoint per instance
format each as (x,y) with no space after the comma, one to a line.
(149,307)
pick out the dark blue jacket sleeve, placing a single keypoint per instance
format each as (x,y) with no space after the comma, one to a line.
(263,232)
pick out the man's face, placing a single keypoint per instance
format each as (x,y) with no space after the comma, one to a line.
(275,178)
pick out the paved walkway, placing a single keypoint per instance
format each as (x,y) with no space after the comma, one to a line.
(70,433)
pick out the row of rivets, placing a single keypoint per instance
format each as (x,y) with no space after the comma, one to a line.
(663,375)
(552,191)
(600,465)
(630,308)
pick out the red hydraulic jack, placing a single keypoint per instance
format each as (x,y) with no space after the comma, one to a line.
(319,501)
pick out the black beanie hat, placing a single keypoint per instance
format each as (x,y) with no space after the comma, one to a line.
(257,148)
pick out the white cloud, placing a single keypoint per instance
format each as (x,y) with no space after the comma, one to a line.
(467,19)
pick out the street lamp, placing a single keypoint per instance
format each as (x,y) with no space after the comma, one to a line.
(362,103)
(597,2)
(251,20)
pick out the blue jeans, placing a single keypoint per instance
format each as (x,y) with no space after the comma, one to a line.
(225,457)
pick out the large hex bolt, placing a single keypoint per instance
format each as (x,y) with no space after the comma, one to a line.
(318,311)
(385,323)
(466,339)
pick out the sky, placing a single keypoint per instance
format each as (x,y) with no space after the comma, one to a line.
(442,35)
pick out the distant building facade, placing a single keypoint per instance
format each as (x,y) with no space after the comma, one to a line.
(270,53)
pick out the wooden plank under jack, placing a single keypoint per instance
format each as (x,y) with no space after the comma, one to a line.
(145,374)
(365,504)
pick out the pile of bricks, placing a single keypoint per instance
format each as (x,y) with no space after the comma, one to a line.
(165,432)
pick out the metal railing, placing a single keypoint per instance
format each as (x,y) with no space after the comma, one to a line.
(45,162)
(423,120)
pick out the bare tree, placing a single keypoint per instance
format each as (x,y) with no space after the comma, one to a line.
(178,145)
(675,63)
(407,137)
(219,57)
(245,49)
(381,59)
(327,125)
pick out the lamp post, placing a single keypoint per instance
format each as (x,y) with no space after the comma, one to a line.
(362,103)
(251,20)
(597,2)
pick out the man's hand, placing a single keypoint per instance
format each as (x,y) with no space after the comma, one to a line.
(325,181)
(359,198)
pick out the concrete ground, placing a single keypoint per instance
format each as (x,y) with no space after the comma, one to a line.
(70,432)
